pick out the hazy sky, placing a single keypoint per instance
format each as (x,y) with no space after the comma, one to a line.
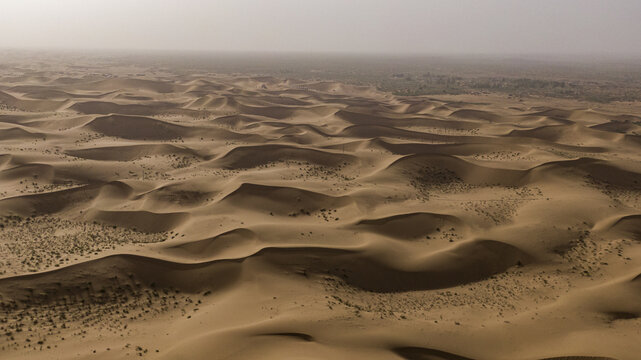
(400,26)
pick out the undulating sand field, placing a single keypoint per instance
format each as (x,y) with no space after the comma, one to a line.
(146,212)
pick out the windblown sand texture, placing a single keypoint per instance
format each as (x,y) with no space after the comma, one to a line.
(179,215)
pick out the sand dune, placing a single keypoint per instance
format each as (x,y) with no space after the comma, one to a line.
(410,225)
(463,264)
(131,152)
(140,220)
(357,118)
(13,102)
(157,86)
(136,127)
(282,200)
(18,134)
(446,169)
(178,215)
(470,114)
(248,157)
(43,92)
(630,225)
(105,107)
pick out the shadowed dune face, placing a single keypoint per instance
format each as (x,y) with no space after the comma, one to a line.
(415,353)
(135,128)
(411,225)
(143,220)
(279,200)
(106,107)
(131,152)
(629,226)
(249,157)
(175,214)
(462,264)
(121,270)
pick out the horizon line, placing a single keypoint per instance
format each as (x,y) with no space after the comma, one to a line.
(452,54)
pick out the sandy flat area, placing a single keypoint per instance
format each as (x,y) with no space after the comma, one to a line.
(147,212)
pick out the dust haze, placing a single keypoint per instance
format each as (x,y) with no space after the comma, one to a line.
(409,26)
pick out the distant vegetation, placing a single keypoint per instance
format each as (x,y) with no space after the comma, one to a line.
(432,84)
(590,80)
(596,80)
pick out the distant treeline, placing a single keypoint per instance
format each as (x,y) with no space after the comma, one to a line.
(598,80)
(433,84)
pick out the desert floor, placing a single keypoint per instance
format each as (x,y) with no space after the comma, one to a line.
(167,214)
